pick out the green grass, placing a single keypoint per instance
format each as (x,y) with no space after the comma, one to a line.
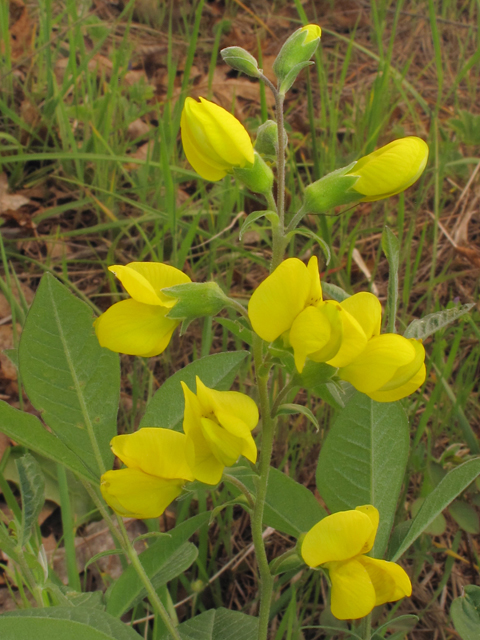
(369,85)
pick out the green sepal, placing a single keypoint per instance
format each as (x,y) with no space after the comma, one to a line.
(292,76)
(258,178)
(288,561)
(266,142)
(241,60)
(313,374)
(331,191)
(196,299)
(271,216)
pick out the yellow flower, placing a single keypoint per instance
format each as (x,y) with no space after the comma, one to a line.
(138,325)
(156,470)
(289,302)
(218,427)
(359,583)
(390,367)
(214,141)
(390,169)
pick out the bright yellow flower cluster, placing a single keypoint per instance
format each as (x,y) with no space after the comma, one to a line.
(159,462)
(345,335)
(339,543)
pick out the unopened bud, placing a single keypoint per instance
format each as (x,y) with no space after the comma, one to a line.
(259,178)
(267,138)
(297,50)
(239,59)
(331,191)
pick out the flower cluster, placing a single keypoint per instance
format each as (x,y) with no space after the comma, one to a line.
(345,335)
(159,462)
(338,543)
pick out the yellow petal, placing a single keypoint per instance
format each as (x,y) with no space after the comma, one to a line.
(336,538)
(135,494)
(310,333)
(279,299)
(159,276)
(403,391)
(370,511)
(367,311)
(313,32)
(135,328)
(353,340)
(158,452)
(390,169)
(378,362)
(234,407)
(389,580)
(315,293)
(198,160)
(408,371)
(205,467)
(136,284)
(225,447)
(353,594)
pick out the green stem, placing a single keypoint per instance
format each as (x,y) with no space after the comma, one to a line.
(241,487)
(365,627)
(68,529)
(271,204)
(278,233)
(268,428)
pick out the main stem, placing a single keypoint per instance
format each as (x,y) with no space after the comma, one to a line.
(278,232)
(268,428)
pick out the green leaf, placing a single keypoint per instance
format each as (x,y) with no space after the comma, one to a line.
(32,488)
(465,612)
(292,409)
(452,485)
(313,374)
(437,527)
(465,516)
(163,560)
(27,430)
(391,248)
(68,376)
(166,407)
(271,216)
(363,461)
(308,233)
(290,507)
(57,623)
(292,76)
(237,329)
(334,292)
(218,624)
(421,329)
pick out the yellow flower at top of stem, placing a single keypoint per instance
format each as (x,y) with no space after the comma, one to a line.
(156,470)
(214,141)
(218,426)
(390,169)
(339,543)
(139,326)
(345,335)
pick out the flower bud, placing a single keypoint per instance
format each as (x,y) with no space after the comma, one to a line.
(259,178)
(331,191)
(214,141)
(239,59)
(196,300)
(298,49)
(390,169)
(267,138)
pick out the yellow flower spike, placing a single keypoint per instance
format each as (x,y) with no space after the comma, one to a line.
(390,169)
(214,141)
(359,583)
(218,427)
(138,326)
(156,471)
(389,368)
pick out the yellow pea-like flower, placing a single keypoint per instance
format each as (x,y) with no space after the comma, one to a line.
(289,302)
(339,543)
(156,470)
(390,367)
(214,141)
(139,326)
(218,426)
(390,169)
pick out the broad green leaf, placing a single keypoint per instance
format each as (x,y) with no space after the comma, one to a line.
(32,488)
(26,429)
(391,248)
(166,407)
(290,507)
(68,376)
(59,623)
(437,527)
(465,516)
(218,624)
(363,461)
(452,485)
(163,560)
(421,329)
(465,612)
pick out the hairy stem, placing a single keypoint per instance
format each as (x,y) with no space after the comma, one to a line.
(268,428)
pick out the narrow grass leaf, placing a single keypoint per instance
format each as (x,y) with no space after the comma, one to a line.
(363,461)
(391,248)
